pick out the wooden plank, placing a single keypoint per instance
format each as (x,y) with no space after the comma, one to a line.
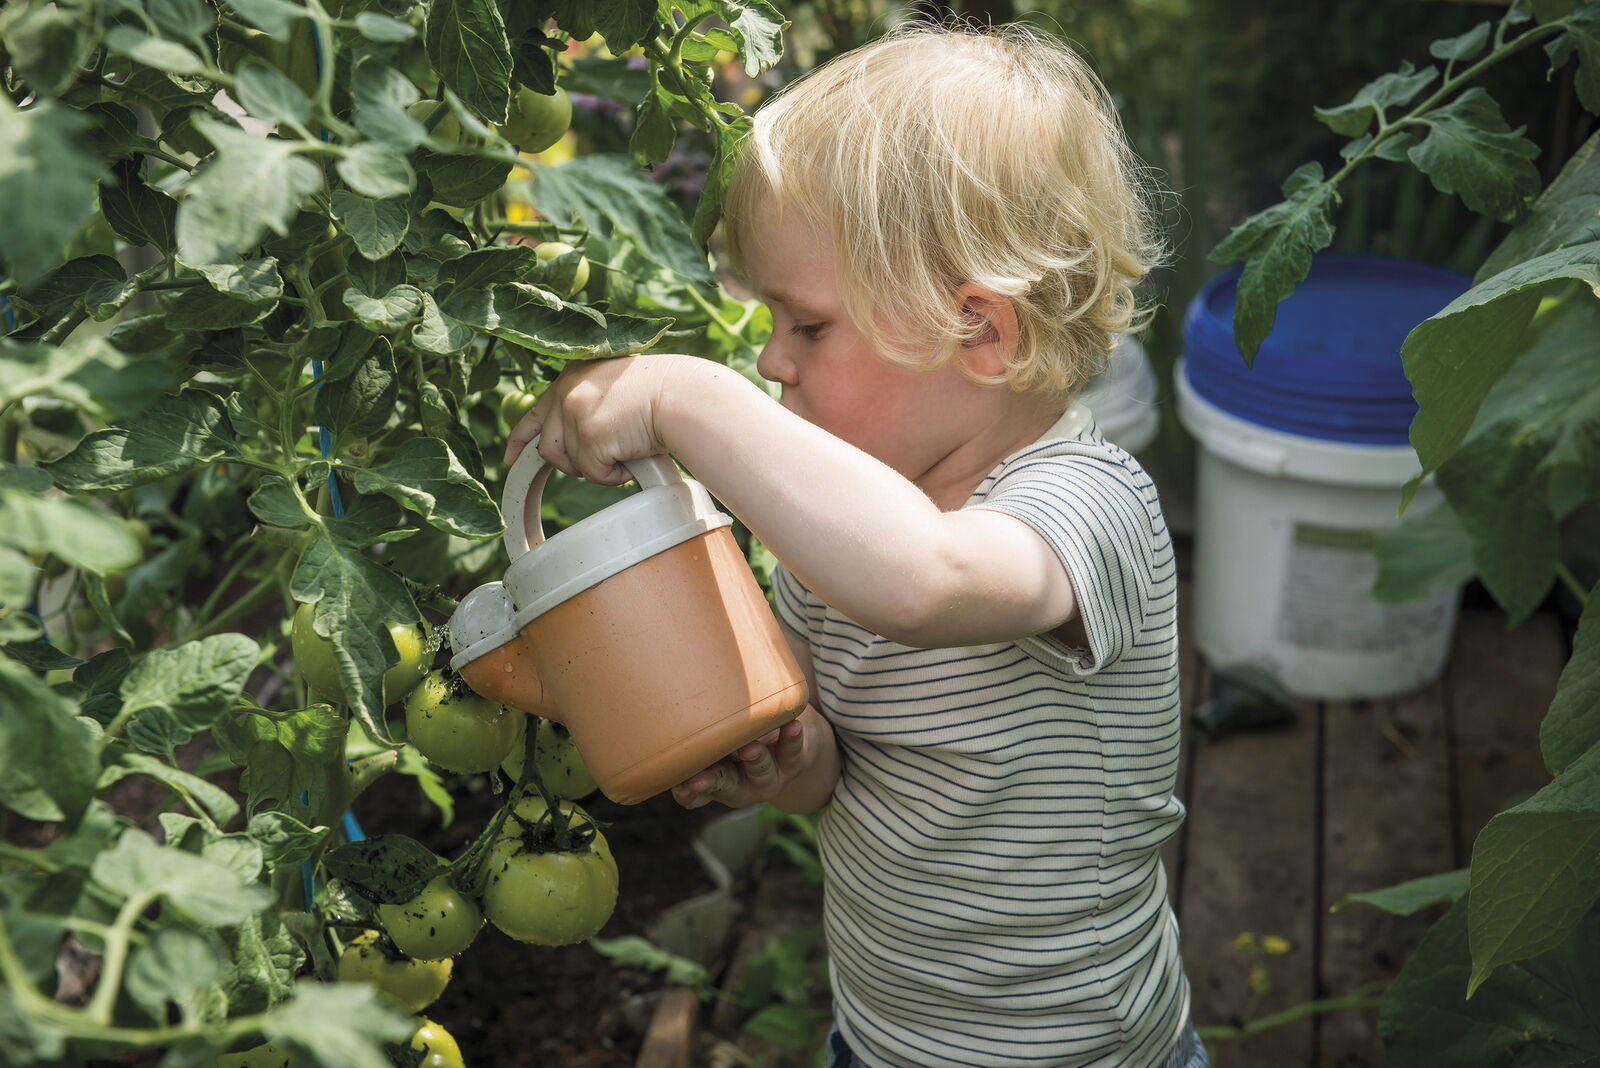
(670,1041)
(1250,865)
(1500,685)
(1386,818)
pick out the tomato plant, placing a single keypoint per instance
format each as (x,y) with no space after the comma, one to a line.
(256,321)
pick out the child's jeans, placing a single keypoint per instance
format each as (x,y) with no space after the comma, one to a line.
(1190,1052)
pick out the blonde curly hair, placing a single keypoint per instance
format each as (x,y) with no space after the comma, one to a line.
(936,157)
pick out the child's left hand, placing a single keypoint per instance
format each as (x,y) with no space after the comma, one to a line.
(598,414)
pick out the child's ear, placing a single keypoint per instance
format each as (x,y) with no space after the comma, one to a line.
(988,353)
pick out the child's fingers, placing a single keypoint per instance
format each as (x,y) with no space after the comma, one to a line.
(791,742)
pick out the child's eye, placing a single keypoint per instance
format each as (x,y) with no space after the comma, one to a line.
(809,331)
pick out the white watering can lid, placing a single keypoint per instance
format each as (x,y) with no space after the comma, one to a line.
(482,622)
(667,510)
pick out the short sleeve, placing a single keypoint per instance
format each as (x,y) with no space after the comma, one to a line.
(1096,516)
(789,600)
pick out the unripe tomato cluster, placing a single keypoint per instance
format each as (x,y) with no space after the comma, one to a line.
(547,877)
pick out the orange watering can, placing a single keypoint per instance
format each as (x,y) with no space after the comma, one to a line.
(641,628)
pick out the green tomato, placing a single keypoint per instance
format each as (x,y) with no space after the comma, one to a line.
(515,405)
(457,729)
(537,120)
(437,1046)
(549,250)
(439,922)
(415,984)
(549,899)
(314,662)
(267,1055)
(556,758)
(448,128)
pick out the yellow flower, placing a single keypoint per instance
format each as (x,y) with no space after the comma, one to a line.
(1245,941)
(1275,945)
(1258,979)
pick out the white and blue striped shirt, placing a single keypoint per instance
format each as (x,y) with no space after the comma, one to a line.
(995,893)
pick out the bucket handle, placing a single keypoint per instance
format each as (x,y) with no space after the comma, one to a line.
(523,500)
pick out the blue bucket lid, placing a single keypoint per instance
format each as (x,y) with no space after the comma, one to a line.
(1331,366)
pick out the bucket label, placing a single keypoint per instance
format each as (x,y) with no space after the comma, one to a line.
(1326,603)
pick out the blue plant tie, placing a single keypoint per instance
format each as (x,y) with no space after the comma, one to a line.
(11,315)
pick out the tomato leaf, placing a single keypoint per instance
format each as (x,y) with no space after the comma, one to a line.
(213,798)
(390,869)
(177,434)
(376,170)
(173,694)
(1539,1012)
(1454,358)
(174,965)
(140,215)
(1470,151)
(1413,895)
(467,44)
(48,44)
(285,841)
(424,476)
(275,17)
(284,757)
(42,738)
(759,27)
(339,1025)
(1277,244)
(1582,37)
(269,95)
(377,226)
(1464,46)
(361,402)
(539,320)
(1572,726)
(1528,892)
(204,890)
(249,186)
(1567,213)
(624,23)
(42,140)
(354,595)
(203,308)
(607,195)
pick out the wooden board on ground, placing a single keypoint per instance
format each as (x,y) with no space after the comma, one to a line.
(1250,865)
(1386,818)
(1500,686)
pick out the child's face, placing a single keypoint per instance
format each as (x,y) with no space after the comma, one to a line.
(831,376)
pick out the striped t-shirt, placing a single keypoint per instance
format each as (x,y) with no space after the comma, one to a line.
(994,891)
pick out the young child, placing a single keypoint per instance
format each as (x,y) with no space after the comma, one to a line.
(947,227)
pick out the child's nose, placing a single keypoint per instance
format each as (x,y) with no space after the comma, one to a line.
(775,365)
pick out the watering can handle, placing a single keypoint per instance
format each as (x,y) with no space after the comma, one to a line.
(523,500)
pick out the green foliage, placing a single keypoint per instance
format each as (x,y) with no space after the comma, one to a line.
(256,322)
(1508,424)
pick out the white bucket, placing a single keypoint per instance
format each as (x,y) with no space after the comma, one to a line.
(1284,560)
(1123,397)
